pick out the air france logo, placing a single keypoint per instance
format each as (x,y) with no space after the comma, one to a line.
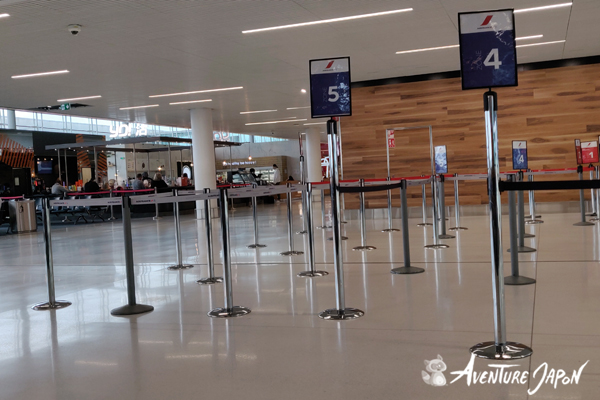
(329,65)
(487,23)
(487,20)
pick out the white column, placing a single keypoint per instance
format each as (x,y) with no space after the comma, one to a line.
(205,174)
(11,121)
(313,155)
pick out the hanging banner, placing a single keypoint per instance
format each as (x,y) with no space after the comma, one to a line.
(391,140)
(330,87)
(589,152)
(488,56)
(578,152)
(441,160)
(519,154)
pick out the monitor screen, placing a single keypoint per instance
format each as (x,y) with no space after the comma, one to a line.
(44,167)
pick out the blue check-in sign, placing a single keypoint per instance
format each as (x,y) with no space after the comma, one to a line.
(330,87)
(519,154)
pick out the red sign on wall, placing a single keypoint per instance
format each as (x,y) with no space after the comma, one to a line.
(578,151)
(589,152)
(391,140)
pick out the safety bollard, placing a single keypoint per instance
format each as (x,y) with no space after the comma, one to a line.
(521,221)
(229,310)
(532,213)
(255,245)
(291,251)
(112,214)
(156,216)
(311,240)
(52,303)
(457,227)
(209,246)
(363,222)
(514,278)
(178,249)
(442,204)
(406,269)
(424,205)
(389,199)
(583,222)
(132,307)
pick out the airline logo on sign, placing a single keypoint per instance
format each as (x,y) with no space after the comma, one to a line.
(495,21)
(329,66)
(517,144)
(391,139)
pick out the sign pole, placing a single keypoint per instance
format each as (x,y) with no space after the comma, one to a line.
(434,197)
(390,140)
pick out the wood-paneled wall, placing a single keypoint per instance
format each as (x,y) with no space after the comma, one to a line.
(550,108)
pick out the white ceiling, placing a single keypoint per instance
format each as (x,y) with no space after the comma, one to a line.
(131,49)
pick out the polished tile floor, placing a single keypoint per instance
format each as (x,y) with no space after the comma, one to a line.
(283,350)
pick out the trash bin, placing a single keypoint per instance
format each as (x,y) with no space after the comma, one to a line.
(22,216)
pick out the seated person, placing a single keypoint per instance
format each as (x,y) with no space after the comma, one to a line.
(138,183)
(157,181)
(58,189)
(92,186)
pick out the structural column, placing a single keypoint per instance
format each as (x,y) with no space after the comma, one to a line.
(203,153)
(11,120)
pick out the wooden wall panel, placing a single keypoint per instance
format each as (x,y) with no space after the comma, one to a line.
(550,108)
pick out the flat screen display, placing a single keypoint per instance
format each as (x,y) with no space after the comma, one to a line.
(441,160)
(44,167)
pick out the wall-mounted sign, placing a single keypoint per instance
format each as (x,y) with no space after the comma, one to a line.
(441,160)
(488,56)
(222,136)
(122,130)
(589,152)
(391,140)
(578,152)
(65,106)
(519,154)
(238,163)
(330,87)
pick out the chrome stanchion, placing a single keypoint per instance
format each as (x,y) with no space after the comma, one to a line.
(363,222)
(179,251)
(209,246)
(132,307)
(424,204)
(596,196)
(112,214)
(255,245)
(514,278)
(156,217)
(592,198)
(389,199)
(457,207)
(311,240)
(434,199)
(52,303)
(500,348)
(442,205)
(323,225)
(341,312)
(229,310)
(291,251)
(532,213)
(521,221)
(302,194)
(406,269)
(583,222)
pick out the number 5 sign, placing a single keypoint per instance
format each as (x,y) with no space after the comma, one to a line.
(488,56)
(330,87)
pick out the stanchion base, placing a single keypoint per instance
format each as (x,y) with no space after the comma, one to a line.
(458,228)
(391,230)
(527,235)
(301,233)
(343,222)
(131,310)
(178,267)
(256,246)
(156,218)
(584,224)
(324,227)
(46,306)
(209,281)
(236,311)
(436,246)
(424,224)
(407,270)
(333,314)
(518,280)
(291,253)
(594,219)
(507,351)
(591,215)
(524,249)
(343,238)
(537,216)
(534,221)
(110,218)
(364,248)
(446,237)
(312,274)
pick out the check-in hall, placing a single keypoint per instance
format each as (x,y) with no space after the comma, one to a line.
(299,199)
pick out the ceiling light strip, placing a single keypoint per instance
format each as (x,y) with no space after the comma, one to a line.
(4,15)
(544,7)
(297,108)
(64,71)
(327,21)
(316,123)
(197,91)
(256,112)
(189,102)
(80,98)
(275,122)
(539,44)
(133,108)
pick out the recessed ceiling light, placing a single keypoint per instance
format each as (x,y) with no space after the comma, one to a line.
(274,122)
(197,91)
(80,98)
(256,112)
(427,49)
(530,37)
(132,108)
(316,123)
(192,101)
(303,90)
(297,108)
(4,15)
(544,7)
(539,44)
(64,71)
(326,21)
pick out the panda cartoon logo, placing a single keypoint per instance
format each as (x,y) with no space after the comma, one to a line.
(435,367)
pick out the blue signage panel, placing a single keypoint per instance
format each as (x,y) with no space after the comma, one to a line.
(441,160)
(519,154)
(330,87)
(488,56)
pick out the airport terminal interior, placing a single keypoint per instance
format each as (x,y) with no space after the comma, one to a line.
(299,199)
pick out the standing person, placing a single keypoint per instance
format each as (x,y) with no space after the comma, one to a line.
(138,184)
(277,178)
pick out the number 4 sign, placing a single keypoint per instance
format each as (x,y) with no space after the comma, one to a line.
(519,154)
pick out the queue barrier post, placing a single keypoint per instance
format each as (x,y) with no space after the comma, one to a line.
(521,248)
(132,307)
(592,198)
(52,303)
(596,195)
(323,225)
(178,248)
(406,269)
(389,201)
(156,216)
(112,213)
(303,199)
(291,251)
(229,310)
(583,222)
(532,213)
(212,279)
(363,222)
(514,278)
(311,240)
(442,205)
(500,348)
(457,227)
(255,245)
(434,200)
(424,204)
